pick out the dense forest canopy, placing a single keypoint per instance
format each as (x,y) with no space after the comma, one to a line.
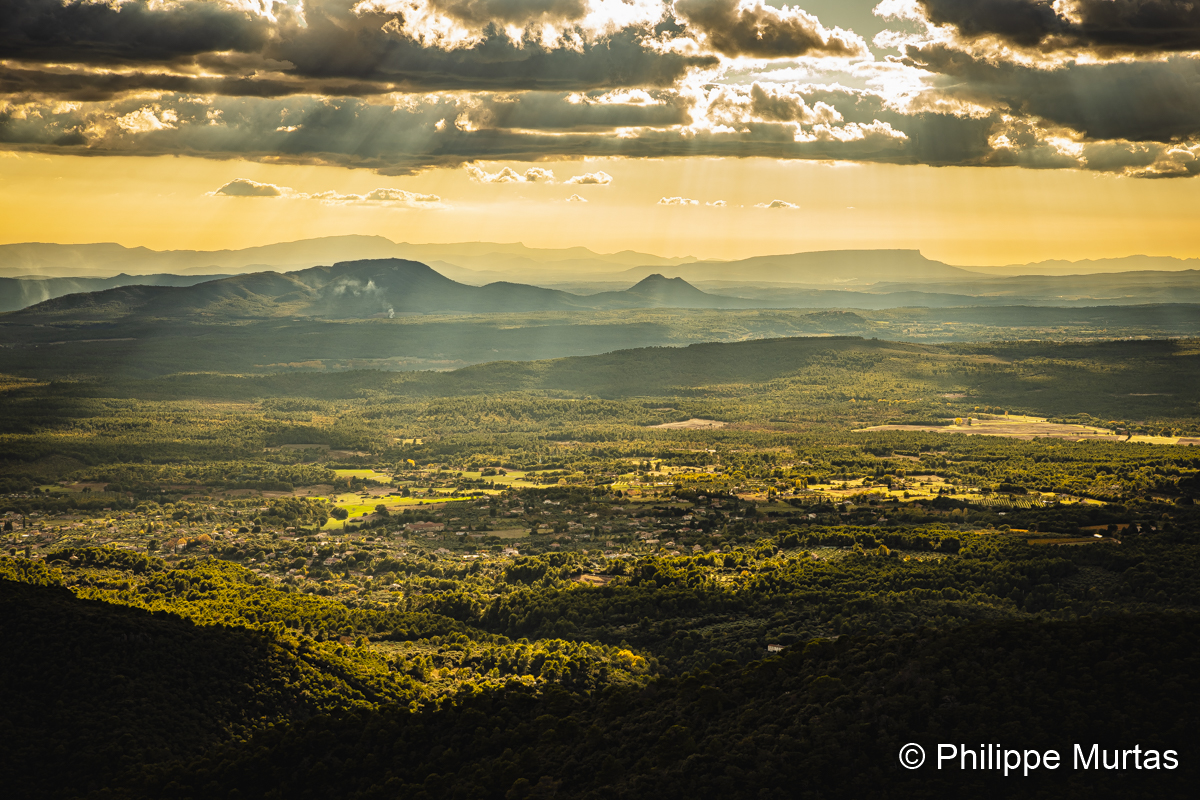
(650,572)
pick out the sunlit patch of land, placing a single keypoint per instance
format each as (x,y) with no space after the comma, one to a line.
(1027,428)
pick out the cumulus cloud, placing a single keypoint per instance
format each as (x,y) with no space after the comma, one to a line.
(576,199)
(776,204)
(751,28)
(244,187)
(717,204)
(147,119)
(590,179)
(677,201)
(509,175)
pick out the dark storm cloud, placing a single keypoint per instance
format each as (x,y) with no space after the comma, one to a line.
(365,52)
(1125,25)
(136,32)
(254,55)
(82,84)
(753,29)
(1141,101)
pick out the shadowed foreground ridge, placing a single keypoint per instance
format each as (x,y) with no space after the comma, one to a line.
(118,702)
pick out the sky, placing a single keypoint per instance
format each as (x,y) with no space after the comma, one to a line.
(978,131)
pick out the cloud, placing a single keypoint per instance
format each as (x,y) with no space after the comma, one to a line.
(378,197)
(677,201)
(750,28)
(129,31)
(590,179)
(776,204)
(577,111)
(1107,85)
(717,204)
(1136,26)
(244,187)
(406,137)
(509,175)
(576,199)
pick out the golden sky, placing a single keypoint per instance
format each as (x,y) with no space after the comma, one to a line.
(1042,130)
(959,215)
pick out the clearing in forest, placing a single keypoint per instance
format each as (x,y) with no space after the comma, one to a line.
(693,423)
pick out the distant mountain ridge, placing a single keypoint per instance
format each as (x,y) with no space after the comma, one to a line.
(1089,266)
(16,293)
(823,267)
(478,263)
(530,279)
(107,259)
(355,290)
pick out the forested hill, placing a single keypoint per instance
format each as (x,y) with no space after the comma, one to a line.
(1099,378)
(655,370)
(826,720)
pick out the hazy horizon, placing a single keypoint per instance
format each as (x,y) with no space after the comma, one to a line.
(666,256)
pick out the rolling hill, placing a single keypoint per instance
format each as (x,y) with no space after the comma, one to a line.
(656,291)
